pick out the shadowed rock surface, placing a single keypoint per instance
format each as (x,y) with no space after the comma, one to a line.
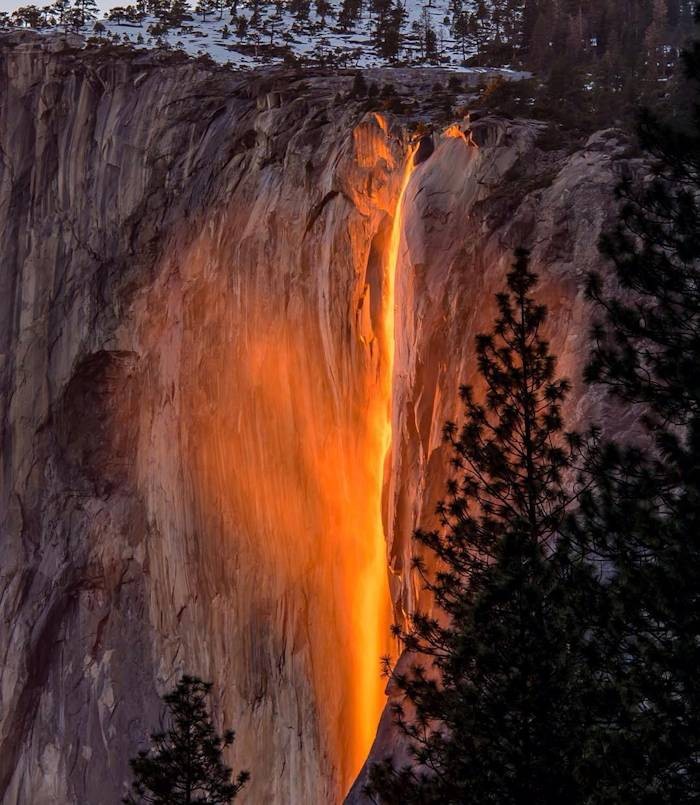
(190,361)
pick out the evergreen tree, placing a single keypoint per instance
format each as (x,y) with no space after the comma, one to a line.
(431,44)
(496,692)
(301,9)
(116,14)
(184,765)
(61,8)
(349,13)
(359,86)
(28,17)
(241,26)
(643,516)
(539,44)
(323,9)
(178,13)
(462,31)
(477,25)
(387,32)
(87,10)
(204,8)
(531,12)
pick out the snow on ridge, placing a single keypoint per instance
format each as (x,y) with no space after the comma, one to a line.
(260,32)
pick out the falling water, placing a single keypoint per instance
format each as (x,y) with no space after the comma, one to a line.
(374,617)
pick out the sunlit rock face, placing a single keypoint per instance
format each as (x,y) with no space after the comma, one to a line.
(197,398)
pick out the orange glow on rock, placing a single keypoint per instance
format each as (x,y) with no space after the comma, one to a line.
(287,440)
(306,486)
(455,132)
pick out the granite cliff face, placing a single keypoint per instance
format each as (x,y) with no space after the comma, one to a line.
(197,394)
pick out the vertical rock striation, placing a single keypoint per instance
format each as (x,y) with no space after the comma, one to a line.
(190,390)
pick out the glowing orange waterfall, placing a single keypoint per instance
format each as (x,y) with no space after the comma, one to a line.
(371,600)
(372,608)
(389,300)
(289,443)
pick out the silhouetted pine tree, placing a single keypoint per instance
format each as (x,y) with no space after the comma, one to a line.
(185,766)
(644,515)
(496,695)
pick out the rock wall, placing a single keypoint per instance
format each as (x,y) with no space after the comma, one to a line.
(192,420)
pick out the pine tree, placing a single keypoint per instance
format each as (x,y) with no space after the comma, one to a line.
(496,692)
(539,47)
(643,516)
(478,25)
(462,30)
(61,9)
(184,766)
(359,86)
(531,11)
(301,9)
(204,8)
(87,10)
(323,9)
(178,13)
(387,32)
(349,13)
(28,17)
